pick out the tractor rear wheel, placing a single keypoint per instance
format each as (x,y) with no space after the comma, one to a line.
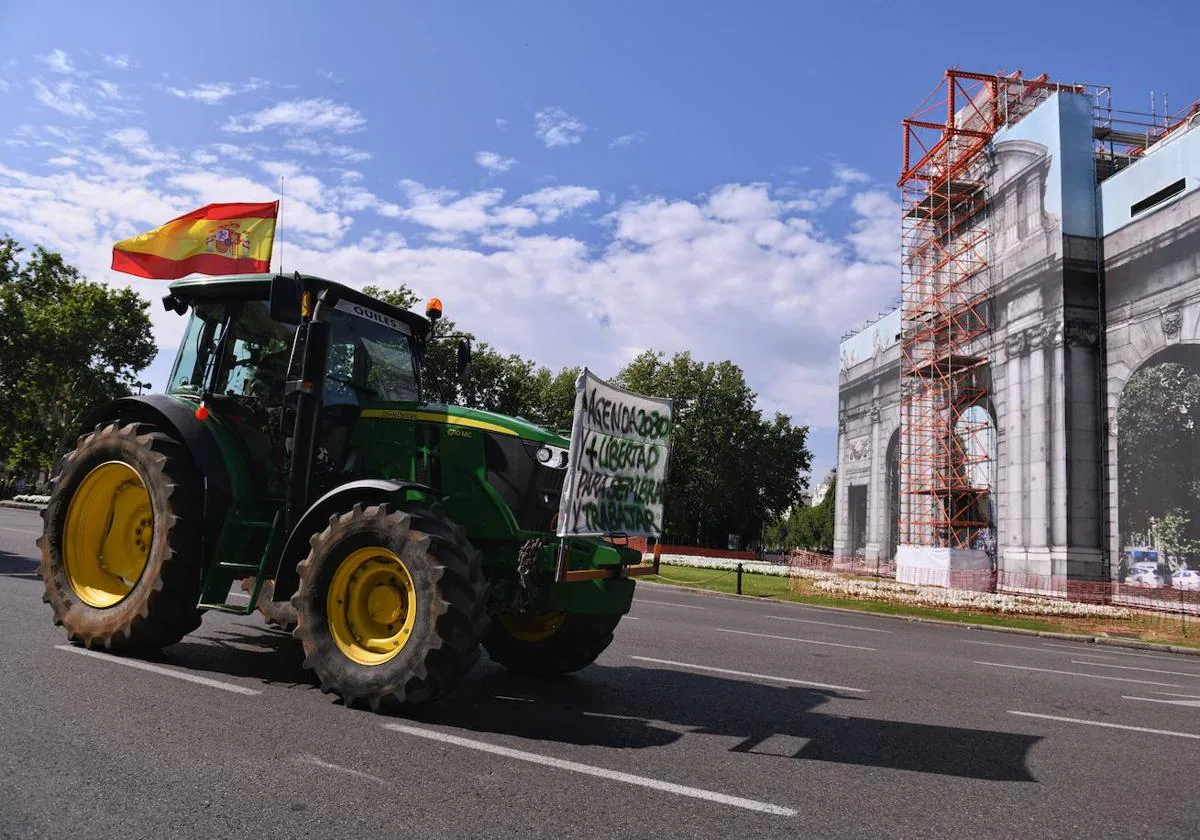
(391,605)
(549,643)
(120,548)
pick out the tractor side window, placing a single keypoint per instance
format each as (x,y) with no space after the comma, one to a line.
(257,353)
(196,350)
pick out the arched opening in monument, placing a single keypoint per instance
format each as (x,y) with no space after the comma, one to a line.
(1158,468)
(893,498)
(976,433)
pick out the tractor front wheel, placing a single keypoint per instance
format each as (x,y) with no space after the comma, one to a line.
(121,560)
(549,643)
(391,605)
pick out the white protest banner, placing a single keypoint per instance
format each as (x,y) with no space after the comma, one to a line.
(617,467)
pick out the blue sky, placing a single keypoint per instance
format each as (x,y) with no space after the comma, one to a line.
(577,181)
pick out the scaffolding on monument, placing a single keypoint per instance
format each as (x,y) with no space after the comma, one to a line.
(944,300)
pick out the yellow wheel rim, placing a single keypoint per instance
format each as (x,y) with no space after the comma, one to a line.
(108,534)
(371,606)
(532,628)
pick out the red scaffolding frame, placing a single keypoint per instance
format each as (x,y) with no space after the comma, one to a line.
(944,295)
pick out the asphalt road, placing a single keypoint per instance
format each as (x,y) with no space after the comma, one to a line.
(708,717)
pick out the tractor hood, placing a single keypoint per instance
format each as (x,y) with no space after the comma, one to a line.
(457,415)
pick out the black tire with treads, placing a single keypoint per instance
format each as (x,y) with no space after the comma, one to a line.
(161,608)
(451,596)
(577,642)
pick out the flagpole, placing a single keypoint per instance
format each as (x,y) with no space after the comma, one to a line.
(279,223)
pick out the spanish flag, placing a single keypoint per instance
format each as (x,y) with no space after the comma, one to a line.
(216,239)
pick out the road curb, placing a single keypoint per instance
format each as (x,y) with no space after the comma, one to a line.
(1104,641)
(22,505)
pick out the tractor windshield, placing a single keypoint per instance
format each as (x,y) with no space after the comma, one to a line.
(369,361)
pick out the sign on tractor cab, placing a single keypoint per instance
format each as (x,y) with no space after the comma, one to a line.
(617,467)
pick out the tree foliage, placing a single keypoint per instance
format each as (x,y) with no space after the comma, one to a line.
(1158,449)
(68,345)
(807,526)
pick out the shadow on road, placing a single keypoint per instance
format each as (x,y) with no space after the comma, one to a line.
(644,707)
(636,707)
(18,566)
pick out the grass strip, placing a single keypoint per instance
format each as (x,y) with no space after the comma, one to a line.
(772,587)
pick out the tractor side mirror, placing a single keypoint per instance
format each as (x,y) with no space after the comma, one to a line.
(464,358)
(286,299)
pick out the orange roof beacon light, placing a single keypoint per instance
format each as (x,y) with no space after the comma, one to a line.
(434,310)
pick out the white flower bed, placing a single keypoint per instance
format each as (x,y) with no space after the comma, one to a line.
(887,590)
(724,563)
(32,499)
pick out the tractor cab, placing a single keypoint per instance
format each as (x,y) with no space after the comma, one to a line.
(241,358)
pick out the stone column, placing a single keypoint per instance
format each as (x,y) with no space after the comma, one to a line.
(1038,490)
(1015,457)
(876,511)
(841,510)
(1058,452)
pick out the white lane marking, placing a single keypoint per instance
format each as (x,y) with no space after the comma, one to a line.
(158,669)
(589,770)
(1173,694)
(514,699)
(1194,704)
(1132,668)
(767,677)
(21,531)
(1024,647)
(631,617)
(830,624)
(791,639)
(349,771)
(1107,653)
(668,604)
(1106,725)
(1076,674)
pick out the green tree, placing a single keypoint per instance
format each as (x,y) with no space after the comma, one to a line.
(1158,448)
(811,526)
(68,345)
(731,470)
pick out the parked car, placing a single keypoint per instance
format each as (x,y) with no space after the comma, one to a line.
(1143,577)
(1186,579)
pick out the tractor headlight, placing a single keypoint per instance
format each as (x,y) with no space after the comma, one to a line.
(553,457)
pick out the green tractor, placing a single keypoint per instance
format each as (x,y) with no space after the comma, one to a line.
(294,456)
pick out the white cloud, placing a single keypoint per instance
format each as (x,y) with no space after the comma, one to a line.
(552,203)
(61,97)
(876,233)
(118,62)
(849,175)
(309,146)
(300,116)
(501,123)
(555,127)
(628,139)
(59,62)
(493,162)
(233,152)
(109,90)
(4,86)
(208,93)
(63,162)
